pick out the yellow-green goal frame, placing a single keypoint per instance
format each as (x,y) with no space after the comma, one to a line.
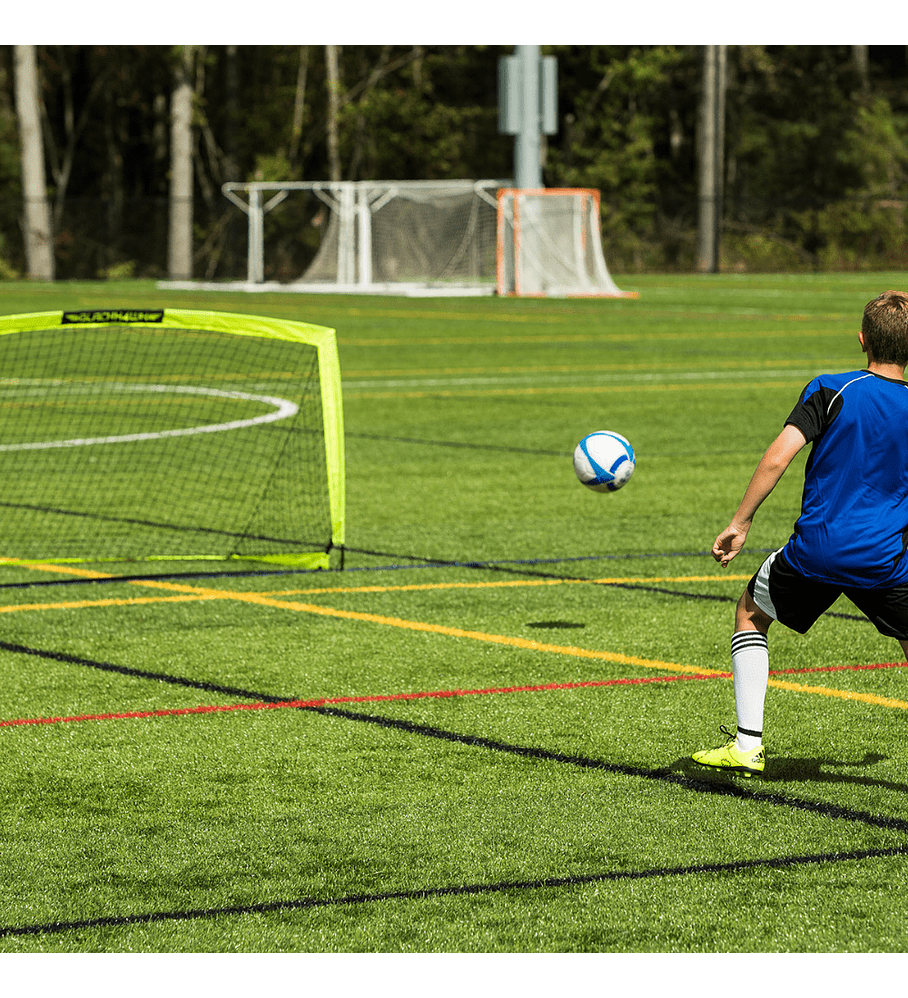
(323,338)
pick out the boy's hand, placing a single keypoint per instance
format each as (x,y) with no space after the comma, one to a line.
(772,466)
(727,545)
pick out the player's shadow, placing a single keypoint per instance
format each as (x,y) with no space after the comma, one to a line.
(782,769)
(555,625)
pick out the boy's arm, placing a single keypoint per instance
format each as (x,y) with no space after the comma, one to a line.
(777,458)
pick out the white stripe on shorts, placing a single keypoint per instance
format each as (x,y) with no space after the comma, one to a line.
(761,588)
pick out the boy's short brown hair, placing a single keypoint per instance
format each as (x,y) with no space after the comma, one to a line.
(885,328)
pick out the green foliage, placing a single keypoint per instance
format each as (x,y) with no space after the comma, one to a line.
(413,134)
(820,167)
(618,115)
(815,154)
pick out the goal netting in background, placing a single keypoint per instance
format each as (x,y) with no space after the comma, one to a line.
(550,243)
(142,434)
(407,234)
(375,236)
(435,237)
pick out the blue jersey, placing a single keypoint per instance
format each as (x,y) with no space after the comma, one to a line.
(853,527)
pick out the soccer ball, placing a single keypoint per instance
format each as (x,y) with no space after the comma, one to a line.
(604,461)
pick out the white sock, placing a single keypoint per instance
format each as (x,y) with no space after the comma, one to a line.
(750,666)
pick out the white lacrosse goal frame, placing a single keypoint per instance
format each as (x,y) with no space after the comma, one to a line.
(402,237)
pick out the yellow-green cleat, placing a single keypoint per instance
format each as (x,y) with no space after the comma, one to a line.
(730,758)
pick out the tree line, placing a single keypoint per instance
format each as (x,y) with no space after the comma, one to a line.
(134,143)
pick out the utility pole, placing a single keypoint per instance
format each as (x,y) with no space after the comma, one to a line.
(527,109)
(711,149)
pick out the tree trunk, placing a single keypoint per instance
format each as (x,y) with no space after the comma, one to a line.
(860,56)
(299,108)
(710,143)
(180,254)
(39,254)
(331,62)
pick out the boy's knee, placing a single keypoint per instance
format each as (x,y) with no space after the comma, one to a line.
(749,617)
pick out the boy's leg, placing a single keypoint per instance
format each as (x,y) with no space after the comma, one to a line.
(776,592)
(744,752)
(750,668)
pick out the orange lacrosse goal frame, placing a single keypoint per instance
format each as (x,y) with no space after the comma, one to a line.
(549,243)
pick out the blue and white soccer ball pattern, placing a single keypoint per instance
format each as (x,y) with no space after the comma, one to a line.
(604,461)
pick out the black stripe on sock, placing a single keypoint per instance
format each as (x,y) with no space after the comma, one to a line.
(748,639)
(753,734)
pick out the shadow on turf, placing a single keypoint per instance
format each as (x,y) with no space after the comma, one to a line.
(554,625)
(796,770)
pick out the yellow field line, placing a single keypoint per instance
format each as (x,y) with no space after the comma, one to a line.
(199,592)
(41,566)
(510,584)
(85,604)
(680,368)
(456,632)
(546,338)
(260,599)
(414,587)
(561,389)
(827,691)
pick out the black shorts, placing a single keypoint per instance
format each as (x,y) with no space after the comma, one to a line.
(797,602)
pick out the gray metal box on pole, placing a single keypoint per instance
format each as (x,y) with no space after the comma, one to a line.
(527,108)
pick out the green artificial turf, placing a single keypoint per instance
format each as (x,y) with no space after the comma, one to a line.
(475,738)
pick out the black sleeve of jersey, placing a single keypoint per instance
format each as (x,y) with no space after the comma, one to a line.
(814,414)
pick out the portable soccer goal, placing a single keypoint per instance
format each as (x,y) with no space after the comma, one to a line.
(145,434)
(549,242)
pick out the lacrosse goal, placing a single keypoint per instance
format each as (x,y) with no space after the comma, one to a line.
(378,236)
(549,242)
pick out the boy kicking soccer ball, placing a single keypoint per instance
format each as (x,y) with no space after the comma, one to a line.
(852,534)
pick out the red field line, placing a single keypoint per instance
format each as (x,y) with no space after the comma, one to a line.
(423,695)
(328,701)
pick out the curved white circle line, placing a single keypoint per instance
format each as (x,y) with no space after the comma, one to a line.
(283,409)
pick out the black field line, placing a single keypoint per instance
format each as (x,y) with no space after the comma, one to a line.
(422,563)
(509,569)
(427,893)
(157,525)
(719,787)
(125,670)
(522,568)
(467,445)
(504,568)
(564,455)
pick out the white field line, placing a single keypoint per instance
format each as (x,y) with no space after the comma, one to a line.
(283,409)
